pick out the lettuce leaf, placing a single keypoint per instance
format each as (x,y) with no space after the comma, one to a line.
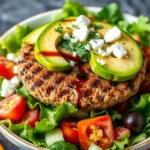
(13,42)
(71,8)
(141,27)
(49,117)
(111,13)
(62,146)
(119,145)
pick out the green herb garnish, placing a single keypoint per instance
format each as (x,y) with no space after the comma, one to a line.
(59,29)
(93,36)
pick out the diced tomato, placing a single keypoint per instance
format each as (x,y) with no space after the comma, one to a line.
(122,107)
(121,132)
(6,68)
(97,130)
(31,116)
(70,131)
(12,107)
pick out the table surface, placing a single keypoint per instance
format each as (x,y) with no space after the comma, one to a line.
(14,11)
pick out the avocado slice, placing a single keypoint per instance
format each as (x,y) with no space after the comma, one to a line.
(46,46)
(117,69)
(32,37)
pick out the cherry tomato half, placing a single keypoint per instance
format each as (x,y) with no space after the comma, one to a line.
(97,130)
(121,132)
(6,68)
(31,116)
(12,107)
(70,131)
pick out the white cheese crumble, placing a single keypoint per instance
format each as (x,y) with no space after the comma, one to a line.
(100,61)
(102,53)
(15,70)
(9,86)
(82,21)
(81,33)
(72,63)
(109,50)
(88,47)
(118,50)
(96,44)
(74,54)
(66,36)
(15,81)
(112,35)
(12,57)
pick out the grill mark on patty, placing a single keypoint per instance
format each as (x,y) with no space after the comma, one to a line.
(21,61)
(36,70)
(27,78)
(26,54)
(100,97)
(49,89)
(131,85)
(58,80)
(87,93)
(37,84)
(95,83)
(63,92)
(47,75)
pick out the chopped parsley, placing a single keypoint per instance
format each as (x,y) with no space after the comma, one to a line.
(97,26)
(78,47)
(59,29)
(93,36)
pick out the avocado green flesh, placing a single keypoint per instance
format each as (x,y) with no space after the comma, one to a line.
(118,69)
(33,36)
(47,42)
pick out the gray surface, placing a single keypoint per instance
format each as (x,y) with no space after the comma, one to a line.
(14,11)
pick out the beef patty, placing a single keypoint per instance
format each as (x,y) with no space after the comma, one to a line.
(79,85)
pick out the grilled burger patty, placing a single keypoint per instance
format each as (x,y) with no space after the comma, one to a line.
(79,85)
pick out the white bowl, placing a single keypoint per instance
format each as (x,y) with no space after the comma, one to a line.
(34,22)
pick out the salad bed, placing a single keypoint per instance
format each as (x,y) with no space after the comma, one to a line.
(40,120)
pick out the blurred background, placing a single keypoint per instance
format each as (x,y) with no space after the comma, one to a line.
(14,11)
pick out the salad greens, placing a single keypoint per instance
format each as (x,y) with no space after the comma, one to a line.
(13,42)
(50,117)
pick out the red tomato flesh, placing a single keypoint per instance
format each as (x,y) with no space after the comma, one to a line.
(6,68)
(120,132)
(31,116)
(97,130)
(70,131)
(12,107)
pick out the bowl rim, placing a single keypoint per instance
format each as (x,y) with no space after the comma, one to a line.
(3,129)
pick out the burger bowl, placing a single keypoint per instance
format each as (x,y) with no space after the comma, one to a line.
(34,22)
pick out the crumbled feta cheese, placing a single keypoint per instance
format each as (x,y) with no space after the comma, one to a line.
(92,29)
(96,44)
(112,35)
(81,33)
(72,63)
(12,57)
(109,50)
(102,52)
(100,61)
(82,21)
(15,70)
(15,81)
(74,54)
(7,88)
(74,39)
(88,47)
(66,36)
(118,50)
